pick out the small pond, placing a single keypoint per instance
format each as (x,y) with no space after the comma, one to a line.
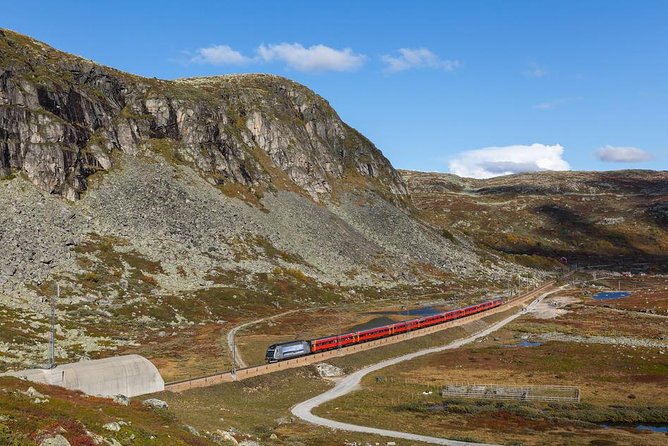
(663,428)
(424,311)
(525,344)
(373,323)
(611,295)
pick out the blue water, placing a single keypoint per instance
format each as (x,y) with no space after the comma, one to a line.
(611,295)
(525,344)
(424,311)
(373,323)
(640,427)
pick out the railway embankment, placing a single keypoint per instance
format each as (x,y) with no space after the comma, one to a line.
(249,372)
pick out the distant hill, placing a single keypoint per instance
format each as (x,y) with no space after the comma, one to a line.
(615,218)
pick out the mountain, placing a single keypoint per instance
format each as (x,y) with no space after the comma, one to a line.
(618,219)
(64,118)
(182,206)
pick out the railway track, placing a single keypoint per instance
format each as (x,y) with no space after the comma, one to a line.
(249,372)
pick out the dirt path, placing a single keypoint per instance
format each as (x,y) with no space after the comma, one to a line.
(232,346)
(351,383)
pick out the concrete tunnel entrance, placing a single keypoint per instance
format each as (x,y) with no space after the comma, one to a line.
(129,375)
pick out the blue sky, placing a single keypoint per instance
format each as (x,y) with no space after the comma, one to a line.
(475,87)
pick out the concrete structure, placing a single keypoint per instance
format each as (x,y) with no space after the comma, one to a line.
(128,375)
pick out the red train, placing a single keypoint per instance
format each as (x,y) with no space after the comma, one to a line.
(287,350)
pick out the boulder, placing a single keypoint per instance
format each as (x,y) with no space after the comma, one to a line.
(156,403)
(58,440)
(122,400)
(328,371)
(226,437)
(191,429)
(113,427)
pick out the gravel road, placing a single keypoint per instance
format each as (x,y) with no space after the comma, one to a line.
(231,345)
(351,382)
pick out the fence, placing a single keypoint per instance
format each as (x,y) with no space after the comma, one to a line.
(565,394)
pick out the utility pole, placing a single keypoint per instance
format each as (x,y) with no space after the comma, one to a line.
(234,356)
(52,340)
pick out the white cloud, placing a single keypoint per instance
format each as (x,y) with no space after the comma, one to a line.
(313,58)
(294,55)
(535,70)
(494,161)
(220,55)
(417,58)
(614,154)
(549,105)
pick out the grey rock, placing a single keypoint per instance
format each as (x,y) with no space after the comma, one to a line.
(8,270)
(222,436)
(155,403)
(191,429)
(33,393)
(57,440)
(328,371)
(112,427)
(121,399)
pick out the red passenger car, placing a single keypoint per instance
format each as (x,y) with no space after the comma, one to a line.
(346,339)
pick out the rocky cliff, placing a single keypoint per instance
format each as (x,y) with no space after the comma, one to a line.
(63,118)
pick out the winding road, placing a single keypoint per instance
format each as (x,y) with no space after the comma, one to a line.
(352,382)
(232,346)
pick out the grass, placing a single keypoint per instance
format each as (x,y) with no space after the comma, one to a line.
(619,385)
(394,396)
(75,416)
(576,413)
(533,224)
(8,177)
(265,410)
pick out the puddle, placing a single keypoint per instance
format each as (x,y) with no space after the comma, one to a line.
(662,428)
(525,344)
(424,311)
(611,295)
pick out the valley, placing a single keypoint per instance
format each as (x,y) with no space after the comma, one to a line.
(196,221)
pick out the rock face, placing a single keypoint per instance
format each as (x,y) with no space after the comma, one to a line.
(62,118)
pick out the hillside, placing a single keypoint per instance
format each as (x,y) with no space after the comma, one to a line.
(169,210)
(32,414)
(619,219)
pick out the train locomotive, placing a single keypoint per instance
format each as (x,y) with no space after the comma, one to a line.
(294,349)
